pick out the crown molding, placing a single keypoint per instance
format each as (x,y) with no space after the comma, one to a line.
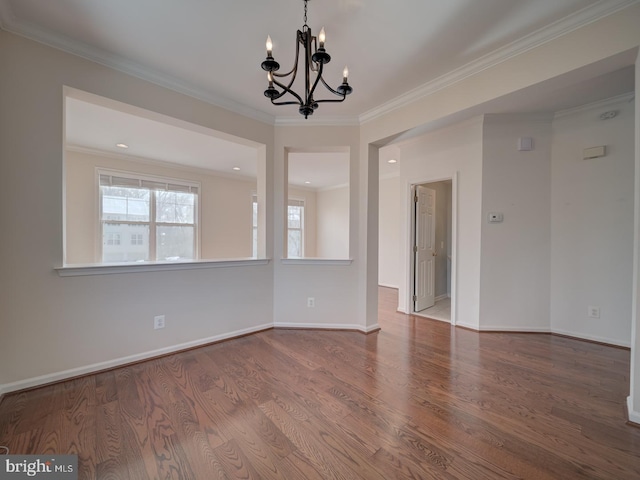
(328,121)
(11,24)
(535,39)
(157,163)
(600,104)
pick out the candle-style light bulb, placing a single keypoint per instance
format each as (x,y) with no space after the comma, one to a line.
(269,46)
(345,75)
(322,37)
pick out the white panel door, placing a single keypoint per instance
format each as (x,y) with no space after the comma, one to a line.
(425,251)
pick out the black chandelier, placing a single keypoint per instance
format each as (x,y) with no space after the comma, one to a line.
(314,61)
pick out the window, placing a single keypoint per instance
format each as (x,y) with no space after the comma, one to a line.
(113,238)
(137,239)
(158,216)
(254,234)
(295,228)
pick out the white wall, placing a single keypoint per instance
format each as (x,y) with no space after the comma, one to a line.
(514,284)
(390,213)
(53,326)
(592,223)
(225,205)
(333,223)
(440,155)
(331,285)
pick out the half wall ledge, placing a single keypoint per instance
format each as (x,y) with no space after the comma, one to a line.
(107,269)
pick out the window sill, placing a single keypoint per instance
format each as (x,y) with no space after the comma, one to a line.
(107,269)
(316,261)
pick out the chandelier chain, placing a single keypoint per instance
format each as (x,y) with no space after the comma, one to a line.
(305,14)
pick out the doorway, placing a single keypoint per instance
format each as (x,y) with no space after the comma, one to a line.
(432,225)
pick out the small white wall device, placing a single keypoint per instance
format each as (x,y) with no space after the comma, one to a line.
(495,217)
(525,144)
(594,152)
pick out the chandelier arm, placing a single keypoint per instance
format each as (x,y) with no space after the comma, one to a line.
(332,100)
(286,89)
(310,47)
(294,69)
(335,92)
(315,84)
(285,103)
(314,40)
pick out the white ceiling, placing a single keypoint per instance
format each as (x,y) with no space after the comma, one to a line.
(212,50)
(92,126)
(318,170)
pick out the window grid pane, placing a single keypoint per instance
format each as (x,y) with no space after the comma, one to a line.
(174,243)
(175,207)
(116,246)
(295,236)
(122,203)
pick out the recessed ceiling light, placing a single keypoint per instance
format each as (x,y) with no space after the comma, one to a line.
(307,182)
(237,169)
(122,145)
(393,160)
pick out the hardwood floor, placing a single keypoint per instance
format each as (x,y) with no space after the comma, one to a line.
(416,400)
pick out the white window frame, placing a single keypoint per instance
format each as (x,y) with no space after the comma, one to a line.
(254,226)
(170,184)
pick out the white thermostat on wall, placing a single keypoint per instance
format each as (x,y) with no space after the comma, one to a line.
(495,217)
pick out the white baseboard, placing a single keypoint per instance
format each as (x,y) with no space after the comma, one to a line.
(518,329)
(466,325)
(441,297)
(593,338)
(327,326)
(633,415)
(96,367)
(387,285)
(513,329)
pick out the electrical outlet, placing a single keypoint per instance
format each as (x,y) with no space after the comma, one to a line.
(158,322)
(311,302)
(593,312)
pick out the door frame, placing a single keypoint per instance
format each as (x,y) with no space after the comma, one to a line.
(410,258)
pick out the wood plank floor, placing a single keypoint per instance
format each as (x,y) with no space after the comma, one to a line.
(416,400)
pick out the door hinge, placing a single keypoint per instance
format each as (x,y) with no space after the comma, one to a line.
(415,298)
(415,197)
(415,248)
